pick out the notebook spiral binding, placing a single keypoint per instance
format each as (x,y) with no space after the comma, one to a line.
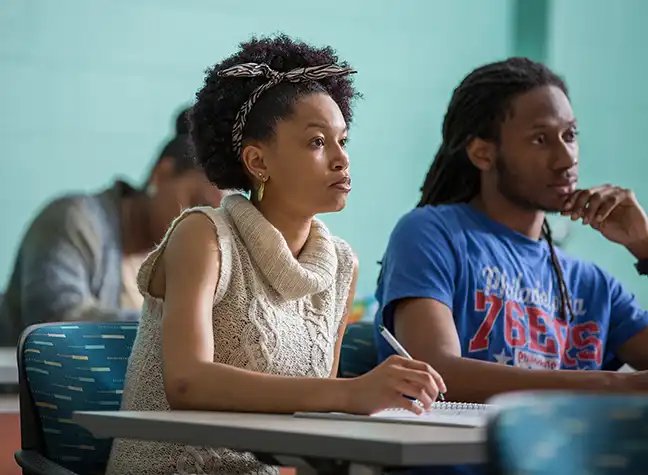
(453,406)
(459,406)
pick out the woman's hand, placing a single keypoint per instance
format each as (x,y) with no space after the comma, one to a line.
(387,385)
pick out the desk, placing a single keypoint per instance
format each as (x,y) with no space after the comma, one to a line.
(9,404)
(8,366)
(363,446)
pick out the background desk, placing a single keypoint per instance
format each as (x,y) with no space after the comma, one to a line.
(292,440)
(8,366)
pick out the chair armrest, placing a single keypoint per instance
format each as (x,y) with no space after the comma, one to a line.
(34,463)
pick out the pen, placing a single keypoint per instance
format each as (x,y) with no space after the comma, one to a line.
(398,348)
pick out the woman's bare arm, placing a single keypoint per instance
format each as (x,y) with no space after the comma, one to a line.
(191,266)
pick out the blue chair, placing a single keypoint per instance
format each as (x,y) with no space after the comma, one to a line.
(65,368)
(358,353)
(560,433)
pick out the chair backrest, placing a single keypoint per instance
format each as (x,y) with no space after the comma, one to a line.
(358,353)
(567,433)
(65,368)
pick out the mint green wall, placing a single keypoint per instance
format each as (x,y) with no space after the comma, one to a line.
(89,87)
(599,47)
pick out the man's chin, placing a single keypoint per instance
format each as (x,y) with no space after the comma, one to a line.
(551,209)
(535,206)
(545,203)
(551,205)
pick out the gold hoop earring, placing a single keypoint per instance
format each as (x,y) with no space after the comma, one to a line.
(261,188)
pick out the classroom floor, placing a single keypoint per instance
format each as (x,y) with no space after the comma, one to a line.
(9,435)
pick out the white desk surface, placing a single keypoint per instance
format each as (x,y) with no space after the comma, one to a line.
(365,443)
(8,365)
(9,404)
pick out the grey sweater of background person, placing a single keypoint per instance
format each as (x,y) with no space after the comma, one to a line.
(69,265)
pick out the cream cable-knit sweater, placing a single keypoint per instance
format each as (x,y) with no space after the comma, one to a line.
(272,313)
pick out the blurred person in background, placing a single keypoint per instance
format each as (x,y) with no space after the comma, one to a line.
(79,258)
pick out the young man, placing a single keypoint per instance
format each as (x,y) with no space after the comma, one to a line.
(471,282)
(80,256)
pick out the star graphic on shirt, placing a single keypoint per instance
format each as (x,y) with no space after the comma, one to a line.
(502,358)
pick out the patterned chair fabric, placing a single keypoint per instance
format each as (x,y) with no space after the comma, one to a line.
(74,367)
(566,433)
(358,353)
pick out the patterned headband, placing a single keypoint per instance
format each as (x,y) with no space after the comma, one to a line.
(249,70)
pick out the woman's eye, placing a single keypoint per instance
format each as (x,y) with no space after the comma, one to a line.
(318,142)
(540,139)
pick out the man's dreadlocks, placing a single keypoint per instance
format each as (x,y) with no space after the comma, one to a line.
(478,107)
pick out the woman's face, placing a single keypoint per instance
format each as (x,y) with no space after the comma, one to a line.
(305,164)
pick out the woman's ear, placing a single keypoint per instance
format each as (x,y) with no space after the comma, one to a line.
(482,153)
(252,156)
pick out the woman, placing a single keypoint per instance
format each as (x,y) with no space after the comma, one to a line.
(80,256)
(245,306)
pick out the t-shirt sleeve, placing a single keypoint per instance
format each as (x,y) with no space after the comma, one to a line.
(627,317)
(419,262)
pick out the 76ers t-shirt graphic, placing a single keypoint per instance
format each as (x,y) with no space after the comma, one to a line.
(532,336)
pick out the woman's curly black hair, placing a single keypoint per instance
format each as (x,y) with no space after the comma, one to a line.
(218,102)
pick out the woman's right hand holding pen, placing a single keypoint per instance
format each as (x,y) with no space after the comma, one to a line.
(386,385)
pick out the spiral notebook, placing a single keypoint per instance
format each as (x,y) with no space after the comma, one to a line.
(458,414)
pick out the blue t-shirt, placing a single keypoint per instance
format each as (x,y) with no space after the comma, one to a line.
(502,290)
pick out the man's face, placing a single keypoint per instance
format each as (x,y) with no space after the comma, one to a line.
(537,161)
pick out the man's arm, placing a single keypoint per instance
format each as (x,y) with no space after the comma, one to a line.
(628,332)
(426,328)
(616,213)
(634,352)
(57,257)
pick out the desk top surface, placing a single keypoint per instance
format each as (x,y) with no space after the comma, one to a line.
(8,365)
(9,404)
(373,443)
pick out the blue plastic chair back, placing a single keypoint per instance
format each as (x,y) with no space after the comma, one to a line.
(65,368)
(358,353)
